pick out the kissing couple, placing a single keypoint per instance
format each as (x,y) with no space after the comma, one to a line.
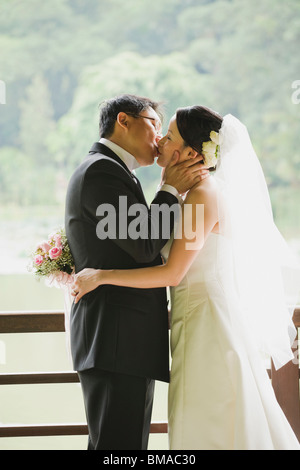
(229,306)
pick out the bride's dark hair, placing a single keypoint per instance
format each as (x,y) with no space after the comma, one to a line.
(195,124)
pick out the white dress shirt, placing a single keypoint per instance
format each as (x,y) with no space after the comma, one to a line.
(125,156)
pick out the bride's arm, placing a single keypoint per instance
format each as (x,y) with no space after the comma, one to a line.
(185,247)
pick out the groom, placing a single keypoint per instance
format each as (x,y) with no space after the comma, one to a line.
(119,336)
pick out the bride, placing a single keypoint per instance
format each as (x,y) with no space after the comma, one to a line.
(232,294)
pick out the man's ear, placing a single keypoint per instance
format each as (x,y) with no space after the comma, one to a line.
(122,120)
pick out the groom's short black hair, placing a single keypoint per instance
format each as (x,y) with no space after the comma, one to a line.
(130,104)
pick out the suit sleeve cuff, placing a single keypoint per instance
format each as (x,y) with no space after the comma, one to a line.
(170,189)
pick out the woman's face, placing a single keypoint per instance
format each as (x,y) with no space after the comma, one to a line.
(172,142)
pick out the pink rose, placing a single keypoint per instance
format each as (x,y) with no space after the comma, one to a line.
(56,237)
(58,241)
(55,252)
(44,246)
(38,259)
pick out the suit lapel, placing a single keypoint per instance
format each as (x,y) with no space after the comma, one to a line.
(102,149)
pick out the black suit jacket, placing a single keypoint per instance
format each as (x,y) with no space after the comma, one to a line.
(115,328)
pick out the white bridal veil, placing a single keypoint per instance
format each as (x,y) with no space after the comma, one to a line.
(267,275)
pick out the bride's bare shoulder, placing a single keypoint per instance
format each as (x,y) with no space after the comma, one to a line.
(207,188)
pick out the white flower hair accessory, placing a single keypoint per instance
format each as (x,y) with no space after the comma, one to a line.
(211,150)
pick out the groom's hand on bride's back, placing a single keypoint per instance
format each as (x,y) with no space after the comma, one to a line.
(184,175)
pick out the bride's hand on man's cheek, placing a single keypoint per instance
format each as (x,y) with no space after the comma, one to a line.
(85,281)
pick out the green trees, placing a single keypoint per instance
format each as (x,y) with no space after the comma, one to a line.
(59,60)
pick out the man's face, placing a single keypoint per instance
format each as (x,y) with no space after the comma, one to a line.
(143,135)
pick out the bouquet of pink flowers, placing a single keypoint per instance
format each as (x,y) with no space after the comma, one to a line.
(53,261)
(53,257)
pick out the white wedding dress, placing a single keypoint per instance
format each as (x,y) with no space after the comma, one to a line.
(220,395)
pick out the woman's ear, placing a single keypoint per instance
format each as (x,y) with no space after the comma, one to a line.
(193,153)
(189,152)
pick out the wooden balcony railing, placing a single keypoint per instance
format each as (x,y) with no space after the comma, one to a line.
(285,381)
